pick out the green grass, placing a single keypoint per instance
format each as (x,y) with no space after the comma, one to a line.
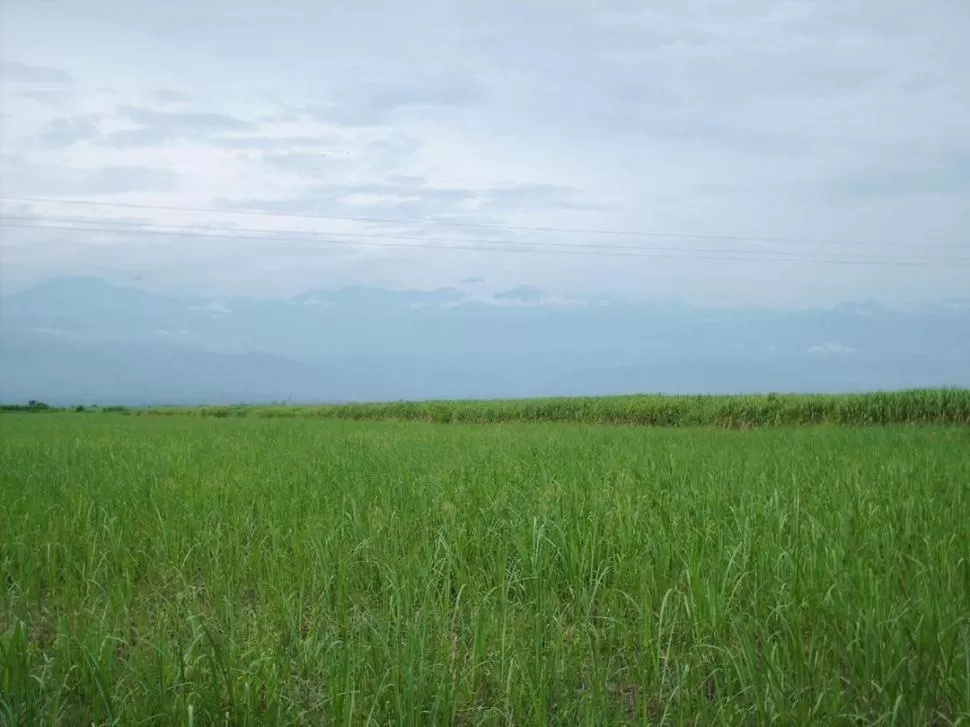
(921,406)
(177,570)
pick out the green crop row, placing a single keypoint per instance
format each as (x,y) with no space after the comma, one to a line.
(177,570)
(923,406)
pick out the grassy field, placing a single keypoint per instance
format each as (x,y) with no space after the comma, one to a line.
(189,570)
(921,406)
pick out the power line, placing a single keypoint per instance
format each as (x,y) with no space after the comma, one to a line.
(308,235)
(458,223)
(741,256)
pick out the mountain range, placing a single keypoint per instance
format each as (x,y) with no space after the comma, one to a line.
(88,341)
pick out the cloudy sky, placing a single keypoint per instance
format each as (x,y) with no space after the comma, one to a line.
(818,149)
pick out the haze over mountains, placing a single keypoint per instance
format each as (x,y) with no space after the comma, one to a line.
(86,341)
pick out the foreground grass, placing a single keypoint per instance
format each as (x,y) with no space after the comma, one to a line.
(253,571)
(920,406)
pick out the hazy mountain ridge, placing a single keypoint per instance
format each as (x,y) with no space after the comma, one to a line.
(87,341)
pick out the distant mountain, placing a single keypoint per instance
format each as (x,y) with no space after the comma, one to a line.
(84,340)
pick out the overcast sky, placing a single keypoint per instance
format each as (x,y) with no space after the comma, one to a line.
(839,129)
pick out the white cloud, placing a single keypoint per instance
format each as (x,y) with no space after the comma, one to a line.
(794,119)
(830,348)
(53,332)
(216,309)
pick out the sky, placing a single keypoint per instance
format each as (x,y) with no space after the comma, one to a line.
(819,150)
